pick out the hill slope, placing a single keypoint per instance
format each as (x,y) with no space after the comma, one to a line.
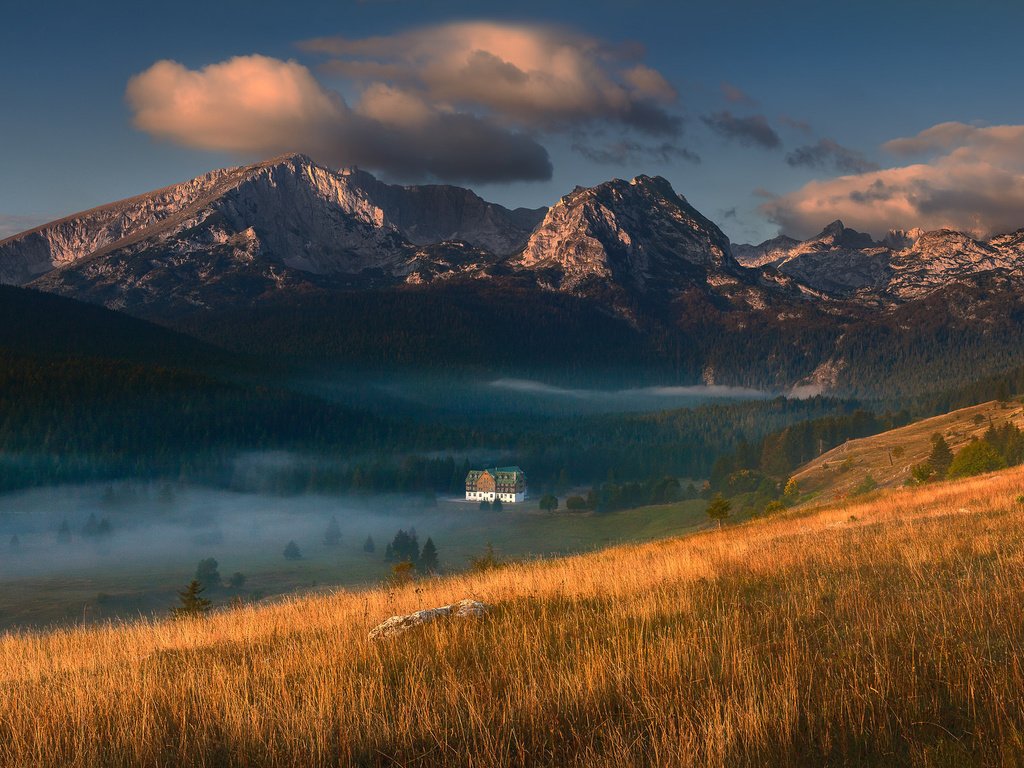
(885,633)
(888,457)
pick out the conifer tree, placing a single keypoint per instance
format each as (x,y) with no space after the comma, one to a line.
(332,536)
(719,508)
(941,457)
(191,603)
(428,562)
(292,551)
(368,545)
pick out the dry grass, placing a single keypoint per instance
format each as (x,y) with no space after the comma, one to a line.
(885,633)
(889,456)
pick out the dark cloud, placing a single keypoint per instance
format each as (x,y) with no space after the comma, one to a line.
(749,131)
(459,102)
(259,106)
(625,151)
(830,154)
(533,75)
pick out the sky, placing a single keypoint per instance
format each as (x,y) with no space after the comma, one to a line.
(768,117)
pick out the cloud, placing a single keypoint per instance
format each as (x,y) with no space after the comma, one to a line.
(973,181)
(735,95)
(467,101)
(830,154)
(537,76)
(530,386)
(626,151)
(750,131)
(259,106)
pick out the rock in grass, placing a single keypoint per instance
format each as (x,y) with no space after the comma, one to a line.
(398,624)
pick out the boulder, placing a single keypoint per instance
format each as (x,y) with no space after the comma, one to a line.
(398,624)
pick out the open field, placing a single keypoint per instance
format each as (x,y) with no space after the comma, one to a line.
(888,632)
(157,543)
(889,456)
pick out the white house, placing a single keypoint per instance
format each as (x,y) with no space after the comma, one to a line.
(506,484)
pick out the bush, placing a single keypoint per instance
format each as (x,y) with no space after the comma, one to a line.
(488,561)
(237,580)
(576,504)
(402,573)
(975,458)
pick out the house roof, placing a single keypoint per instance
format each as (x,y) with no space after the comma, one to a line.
(497,473)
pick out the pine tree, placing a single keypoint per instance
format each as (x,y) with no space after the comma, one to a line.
(941,457)
(64,533)
(190,601)
(292,551)
(332,536)
(428,562)
(719,508)
(368,545)
(15,543)
(92,526)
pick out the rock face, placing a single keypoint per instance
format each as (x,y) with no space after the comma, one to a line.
(396,625)
(636,234)
(288,212)
(841,262)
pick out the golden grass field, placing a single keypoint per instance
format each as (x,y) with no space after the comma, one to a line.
(889,456)
(889,632)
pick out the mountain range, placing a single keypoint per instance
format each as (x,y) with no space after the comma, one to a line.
(291,258)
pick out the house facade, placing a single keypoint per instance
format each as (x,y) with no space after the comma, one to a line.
(505,484)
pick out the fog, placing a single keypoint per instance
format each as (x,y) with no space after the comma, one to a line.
(160,526)
(417,395)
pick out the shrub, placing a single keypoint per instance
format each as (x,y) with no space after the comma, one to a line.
(975,458)
(402,573)
(488,561)
(576,504)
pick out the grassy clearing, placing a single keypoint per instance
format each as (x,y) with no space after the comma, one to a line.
(888,457)
(888,632)
(115,581)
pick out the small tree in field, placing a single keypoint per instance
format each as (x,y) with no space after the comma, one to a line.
(549,502)
(237,580)
(428,558)
(191,603)
(941,457)
(208,573)
(369,546)
(292,551)
(496,505)
(719,508)
(791,491)
(332,536)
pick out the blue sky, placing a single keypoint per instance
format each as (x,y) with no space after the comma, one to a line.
(857,75)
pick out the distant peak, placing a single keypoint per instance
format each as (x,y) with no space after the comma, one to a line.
(835,229)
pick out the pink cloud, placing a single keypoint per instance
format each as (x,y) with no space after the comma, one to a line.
(973,181)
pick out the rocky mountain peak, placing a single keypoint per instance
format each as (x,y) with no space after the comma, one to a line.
(638,234)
